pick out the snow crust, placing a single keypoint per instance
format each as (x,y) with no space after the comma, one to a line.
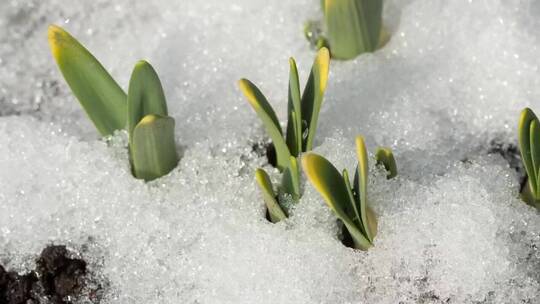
(446,89)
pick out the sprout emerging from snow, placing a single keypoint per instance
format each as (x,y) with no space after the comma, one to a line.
(352,27)
(349,203)
(529,146)
(303,114)
(144,109)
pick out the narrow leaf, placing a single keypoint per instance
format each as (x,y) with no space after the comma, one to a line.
(354,26)
(352,209)
(294,132)
(534,135)
(312,97)
(265,112)
(100,96)
(290,182)
(372,221)
(360,186)
(329,183)
(145,95)
(527,116)
(294,135)
(153,149)
(385,157)
(274,209)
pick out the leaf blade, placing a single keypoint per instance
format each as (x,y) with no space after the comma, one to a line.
(294,123)
(385,157)
(98,93)
(361,186)
(355,216)
(274,209)
(145,95)
(290,182)
(329,183)
(313,95)
(265,112)
(354,26)
(153,148)
(525,120)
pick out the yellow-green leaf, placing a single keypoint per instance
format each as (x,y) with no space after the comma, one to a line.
(354,26)
(535,151)
(100,96)
(351,210)
(527,116)
(265,184)
(385,157)
(294,123)
(145,95)
(313,95)
(265,112)
(329,183)
(360,186)
(290,182)
(153,149)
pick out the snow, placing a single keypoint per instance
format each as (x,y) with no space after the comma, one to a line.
(449,83)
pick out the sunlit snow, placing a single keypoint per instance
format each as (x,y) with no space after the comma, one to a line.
(447,87)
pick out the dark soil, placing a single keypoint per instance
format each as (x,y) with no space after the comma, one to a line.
(346,238)
(268,150)
(57,279)
(14,288)
(512,155)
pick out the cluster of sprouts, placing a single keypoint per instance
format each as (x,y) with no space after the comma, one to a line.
(350,28)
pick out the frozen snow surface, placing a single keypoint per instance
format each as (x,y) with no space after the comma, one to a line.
(445,93)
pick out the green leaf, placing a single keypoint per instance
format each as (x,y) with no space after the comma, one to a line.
(527,116)
(274,209)
(145,95)
(354,26)
(351,210)
(385,157)
(100,96)
(312,97)
(294,124)
(265,112)
(153,149)
(360,186)
(290,182)
(329,183)
(535,151)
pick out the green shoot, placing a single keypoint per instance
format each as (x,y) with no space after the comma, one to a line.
(348,203)
(303,113)
(143,110)
(529,146)
(352,27)
(100,96)
(385,157)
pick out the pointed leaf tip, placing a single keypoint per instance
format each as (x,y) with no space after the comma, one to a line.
(361,181)
(270,121)
(323,61)
(385,157)
(58,38)
(102,99)
(269,196)
(145,95)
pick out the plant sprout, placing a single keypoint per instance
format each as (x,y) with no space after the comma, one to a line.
(143,110)
(303,113)
(529,146)
(352,27)
(349,203)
